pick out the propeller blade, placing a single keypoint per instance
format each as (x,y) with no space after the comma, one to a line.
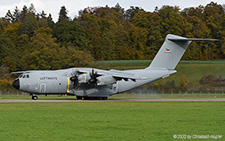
(93,76)
(74,78)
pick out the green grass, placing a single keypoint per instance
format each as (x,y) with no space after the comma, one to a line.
(110,120)
(194,72)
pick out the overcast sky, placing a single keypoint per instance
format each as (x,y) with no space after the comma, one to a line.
(73,6)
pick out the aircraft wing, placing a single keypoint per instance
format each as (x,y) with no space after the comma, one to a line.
(117,74)
(30,71)
(21,72)
(125,75)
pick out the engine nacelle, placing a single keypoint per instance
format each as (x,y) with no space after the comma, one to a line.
(105,80)
(84,78)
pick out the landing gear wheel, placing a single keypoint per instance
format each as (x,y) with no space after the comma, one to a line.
(34,97)
(104,98)
(79,97)
(88,98)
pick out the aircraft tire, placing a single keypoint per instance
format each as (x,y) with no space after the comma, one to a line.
(34,97)
(86,98)
(79,97)
(95,98)
(104,98)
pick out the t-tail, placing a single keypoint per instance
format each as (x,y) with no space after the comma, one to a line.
(171,51)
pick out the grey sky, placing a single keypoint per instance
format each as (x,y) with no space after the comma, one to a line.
(73,6)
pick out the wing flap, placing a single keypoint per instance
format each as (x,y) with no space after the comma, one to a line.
(125,75)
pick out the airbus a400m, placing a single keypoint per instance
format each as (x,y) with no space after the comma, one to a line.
(88,83)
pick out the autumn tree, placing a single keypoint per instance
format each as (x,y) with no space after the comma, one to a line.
(152,23)
(75,58)
(3,24)
(50,21)
(70,33)
(63,14)
(8,54)
(214,17)
(12,30)
(130,13)
(183,82)
(30,24)
(43,53)
(15,16)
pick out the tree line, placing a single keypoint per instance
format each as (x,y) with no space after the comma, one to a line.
(32,40)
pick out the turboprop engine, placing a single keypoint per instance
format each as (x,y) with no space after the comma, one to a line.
(84,78)
(101,80)
(105,80)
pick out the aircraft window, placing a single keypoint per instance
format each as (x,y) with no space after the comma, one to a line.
(24,76)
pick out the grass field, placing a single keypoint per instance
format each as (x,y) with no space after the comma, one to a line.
(110,120)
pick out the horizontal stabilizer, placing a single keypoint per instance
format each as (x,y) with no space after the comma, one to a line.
(192,39)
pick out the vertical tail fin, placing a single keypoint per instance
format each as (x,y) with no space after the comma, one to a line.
(171,52)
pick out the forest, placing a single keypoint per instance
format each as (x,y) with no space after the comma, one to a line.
(32,40)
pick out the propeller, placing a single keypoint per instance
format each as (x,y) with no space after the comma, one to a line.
(93,76)
(74,79)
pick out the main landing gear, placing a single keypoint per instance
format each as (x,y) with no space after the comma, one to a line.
(34,96)
(91,98)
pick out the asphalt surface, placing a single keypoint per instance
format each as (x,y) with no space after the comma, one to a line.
(110,100)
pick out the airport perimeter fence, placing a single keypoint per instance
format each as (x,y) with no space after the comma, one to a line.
(188,91)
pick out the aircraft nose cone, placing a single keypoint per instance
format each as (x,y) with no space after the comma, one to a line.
(16,84)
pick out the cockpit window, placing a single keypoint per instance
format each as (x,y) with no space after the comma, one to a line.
(24,76)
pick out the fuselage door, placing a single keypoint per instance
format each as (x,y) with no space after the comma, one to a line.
(42,88)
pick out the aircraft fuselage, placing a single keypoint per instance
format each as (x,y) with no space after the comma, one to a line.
(58,82)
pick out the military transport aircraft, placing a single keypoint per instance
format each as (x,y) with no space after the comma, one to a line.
(88,83)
